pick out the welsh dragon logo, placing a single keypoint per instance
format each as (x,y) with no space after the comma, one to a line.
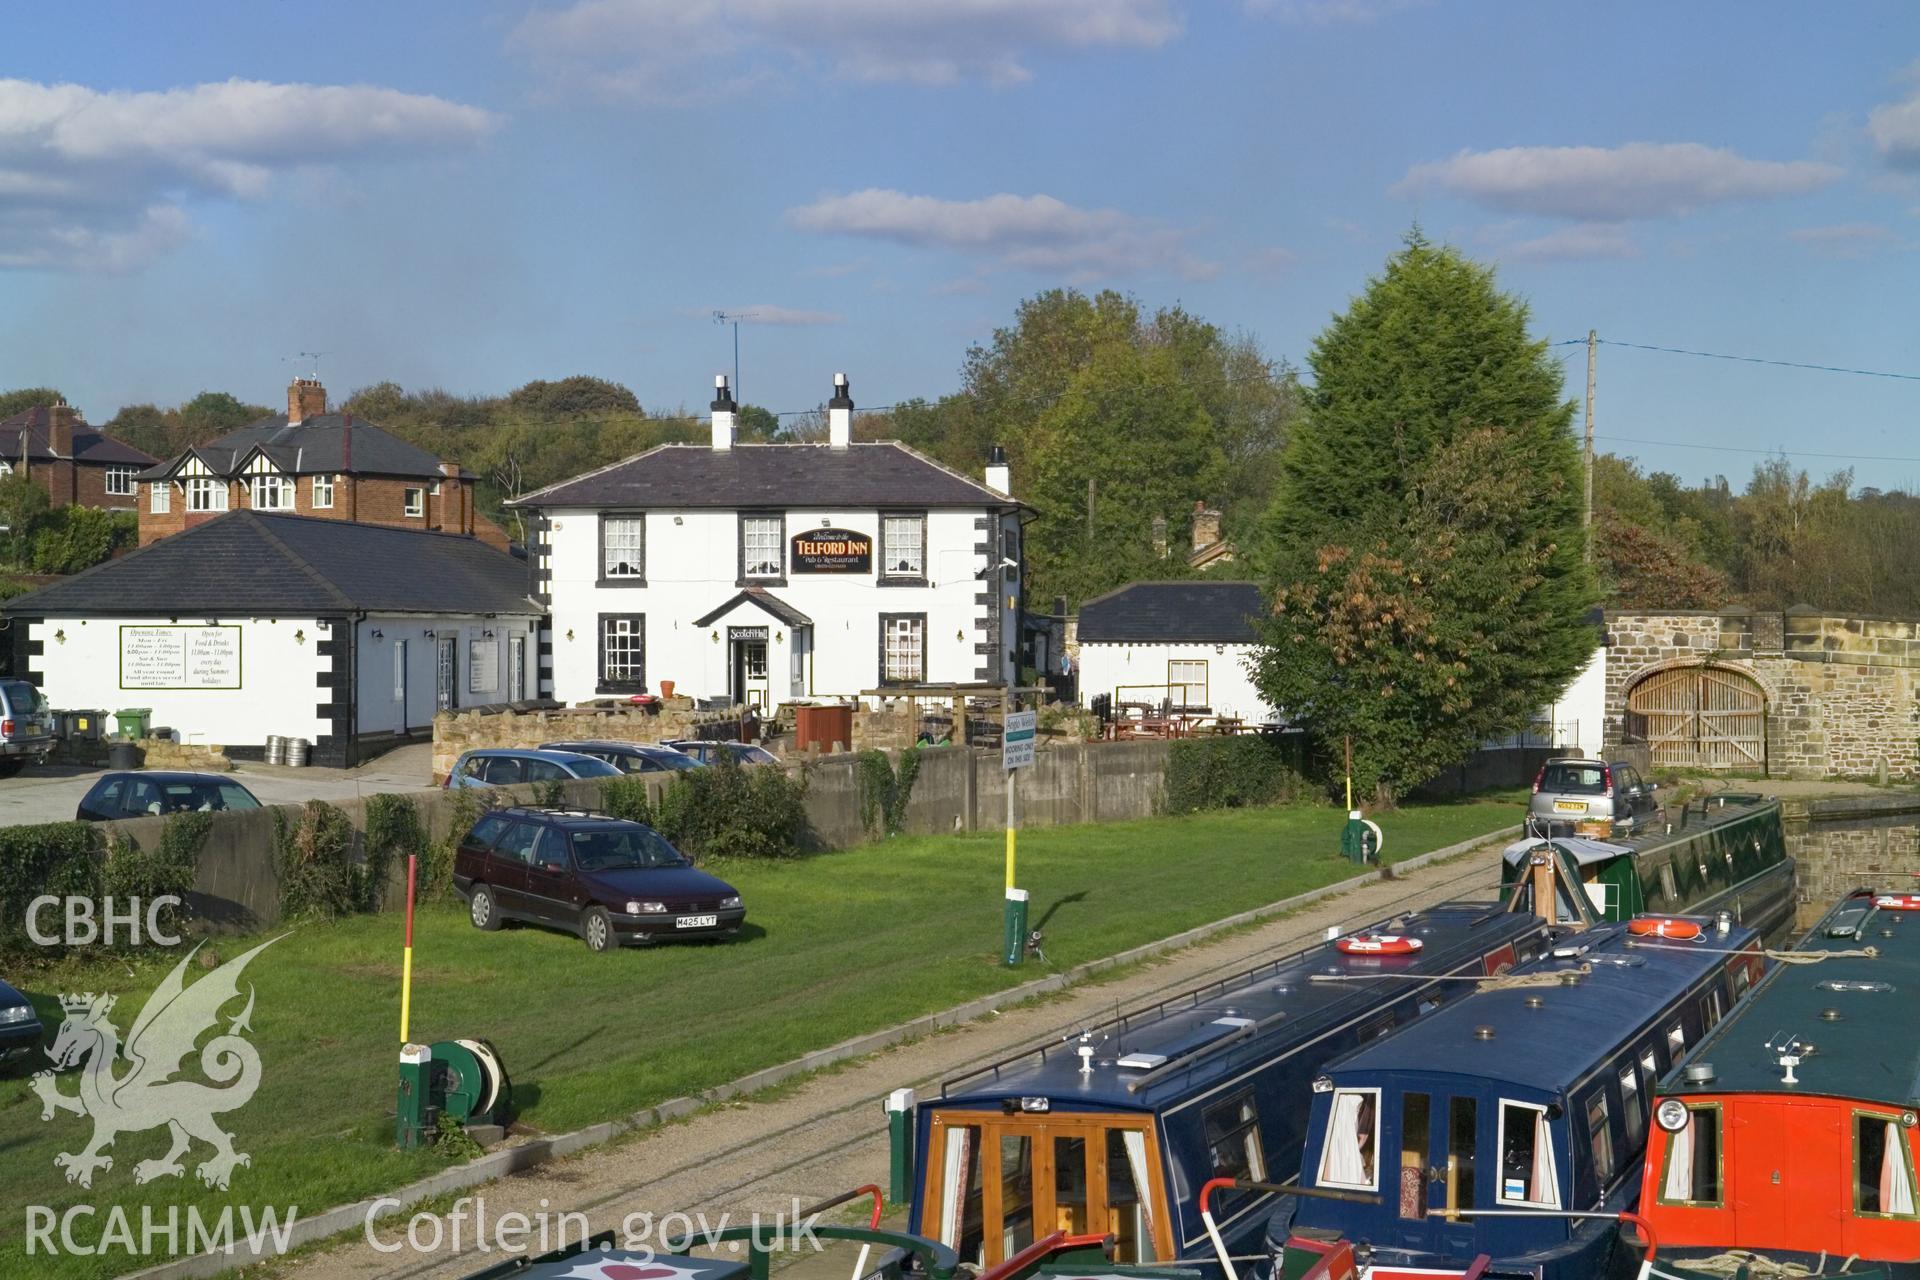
(148,1096)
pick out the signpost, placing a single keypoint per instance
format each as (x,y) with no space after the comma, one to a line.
(1016,752)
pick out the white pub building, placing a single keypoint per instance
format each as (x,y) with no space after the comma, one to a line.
(769,573)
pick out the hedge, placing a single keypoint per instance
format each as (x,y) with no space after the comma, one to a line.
(1234,773)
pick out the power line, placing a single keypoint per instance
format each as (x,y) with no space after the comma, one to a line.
(1786,453)
(1717,355)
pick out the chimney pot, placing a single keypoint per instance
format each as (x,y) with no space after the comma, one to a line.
(306,398)
(999,475)
(1206,526)
(724,410)
(840,413)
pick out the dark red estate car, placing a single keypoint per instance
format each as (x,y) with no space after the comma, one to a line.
(606,879)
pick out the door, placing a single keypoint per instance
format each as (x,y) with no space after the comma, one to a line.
(747,652)
(446,659)
(1702,717)
(400,681)
(507,866)
(552,892)
(1454,1172)
(516,668)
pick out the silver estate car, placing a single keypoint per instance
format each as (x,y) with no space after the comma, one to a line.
(1580,796)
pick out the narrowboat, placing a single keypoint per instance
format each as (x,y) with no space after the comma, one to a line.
(1726,853)
(1502,1135)
(1115,1130)
(1787,1135)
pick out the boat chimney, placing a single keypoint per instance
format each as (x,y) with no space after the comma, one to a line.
(1700,1073)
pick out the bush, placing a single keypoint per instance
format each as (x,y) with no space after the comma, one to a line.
(627,798)
(435,880)
(57,858)
(394,832)
(321,873)
(167,870)
(1232,773)
(725,811)
(885,790)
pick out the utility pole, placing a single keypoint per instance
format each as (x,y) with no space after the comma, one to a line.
(734,318)
(1586,516)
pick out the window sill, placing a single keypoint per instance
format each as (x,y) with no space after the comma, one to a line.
(620,582)
(900,580)
(901,682)
(605,690)
(759,582)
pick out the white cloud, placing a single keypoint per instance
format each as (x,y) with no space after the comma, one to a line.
(1271,261)
(1608,184)
(1895,130)
(766,313)
(1328,12)
(1846,239)
(95,179)
(1583,240)
(667,50)
(1034,233)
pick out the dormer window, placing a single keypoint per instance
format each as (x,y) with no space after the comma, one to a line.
(272,493)
(204,493)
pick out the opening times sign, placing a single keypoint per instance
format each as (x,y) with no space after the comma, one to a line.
(180,657)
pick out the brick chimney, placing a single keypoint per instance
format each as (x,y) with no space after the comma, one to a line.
(306,398)
(1160,537)
(840,413)
(723,413)
(450,513)
(60,420)
(1206,526)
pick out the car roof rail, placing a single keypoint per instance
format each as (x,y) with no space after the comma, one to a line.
(558,811)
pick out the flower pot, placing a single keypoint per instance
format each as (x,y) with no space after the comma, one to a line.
(666,688)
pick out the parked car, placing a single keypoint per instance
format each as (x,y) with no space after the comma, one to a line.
(606,879)
(631,757)
(1573,791)
(710,752)
(144,794)
(505,766)
(19,1026)
(26,727)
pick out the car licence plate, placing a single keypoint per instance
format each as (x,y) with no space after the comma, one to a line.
(696,922)
(1569,806)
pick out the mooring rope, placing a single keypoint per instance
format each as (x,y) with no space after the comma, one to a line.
(1759,1266)
(1771,953)
(1499,982)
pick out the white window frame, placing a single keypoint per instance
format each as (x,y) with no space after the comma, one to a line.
(1186,687)
(1543,1131)
(120,482)
(322,499)
(160,497)
(774,563)
(400,671)
(903,625)
(413,502)
(899,532)
(263,483)
(629,533)
(206,493)
(1321,1177)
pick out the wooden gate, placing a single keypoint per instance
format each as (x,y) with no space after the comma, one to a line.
(1702,717)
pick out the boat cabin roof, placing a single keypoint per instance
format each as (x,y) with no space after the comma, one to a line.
(1869,1051)
(1549,1038)
(1584,851)
(1723,807)
(1164,1052)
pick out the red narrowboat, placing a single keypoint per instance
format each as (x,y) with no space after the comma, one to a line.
(1788,1135)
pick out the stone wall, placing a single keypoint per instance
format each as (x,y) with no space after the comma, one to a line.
(1842,693)
(455,732)
(165,753)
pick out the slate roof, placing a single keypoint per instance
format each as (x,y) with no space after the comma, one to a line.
(1173,613)
(316,444)
(862,475)
(90,444)
(766,600)
(257,563)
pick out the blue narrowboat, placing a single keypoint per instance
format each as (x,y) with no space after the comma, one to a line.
(1503,1134)
(1116,1130)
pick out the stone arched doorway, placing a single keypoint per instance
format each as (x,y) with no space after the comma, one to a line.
(1701,716)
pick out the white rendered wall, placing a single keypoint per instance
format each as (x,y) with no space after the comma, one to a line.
(1138,673)
(79,669)
(1579,716)
(379,688)
(692,568)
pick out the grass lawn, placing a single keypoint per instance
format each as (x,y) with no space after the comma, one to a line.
(837,945)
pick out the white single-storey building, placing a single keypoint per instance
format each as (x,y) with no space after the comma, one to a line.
(768,573)
(1179,643)
(250,625)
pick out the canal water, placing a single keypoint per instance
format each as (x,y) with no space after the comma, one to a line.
(1836,856)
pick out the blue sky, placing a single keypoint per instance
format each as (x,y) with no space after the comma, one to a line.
(471,195)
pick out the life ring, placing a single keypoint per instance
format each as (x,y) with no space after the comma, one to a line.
(1378,944)
(1898,901)
(1663,927)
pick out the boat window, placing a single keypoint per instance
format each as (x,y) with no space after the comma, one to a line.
(1016,1193)
(1600,1139)
(1415,1109)
(1692,1175)
(1526,1157)
(1233,1139)
(1649,1067)
(1882,1167)
(1709,1011)
(1632,1112)
(1741,980)
(1463,1141)
(1676,1042)
(1353,1135)
(1070,1185)
(1129,1212)
(961,1205)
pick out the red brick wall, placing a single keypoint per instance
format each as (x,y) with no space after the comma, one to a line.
(75,483)
(368,499)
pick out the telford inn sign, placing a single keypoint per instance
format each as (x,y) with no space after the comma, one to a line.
(831,551)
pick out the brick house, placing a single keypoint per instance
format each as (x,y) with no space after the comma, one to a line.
(311,462)
(77,464)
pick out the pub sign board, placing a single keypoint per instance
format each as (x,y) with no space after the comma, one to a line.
(831,551)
